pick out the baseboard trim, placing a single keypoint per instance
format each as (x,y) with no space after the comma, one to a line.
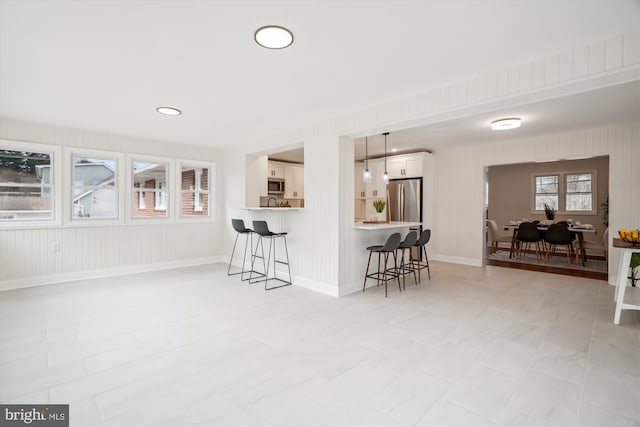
(456,260)
(303,282)
(29,282)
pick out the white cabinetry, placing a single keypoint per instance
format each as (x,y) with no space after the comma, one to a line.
(276,170)
(417,165)
(294,182)
(360,190)
(377,188)
(409,166)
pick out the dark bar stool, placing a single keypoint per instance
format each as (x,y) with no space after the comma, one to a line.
(409,242)
(262,230)
(239,227)
(390,247)
(421,244)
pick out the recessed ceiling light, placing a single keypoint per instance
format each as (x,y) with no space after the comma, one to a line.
(504,124)
(273,37)
(169,111)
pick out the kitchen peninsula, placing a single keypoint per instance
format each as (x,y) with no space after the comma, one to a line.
(360,225)
(366,235)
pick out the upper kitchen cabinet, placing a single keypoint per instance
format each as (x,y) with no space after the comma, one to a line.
(377,188)
(360,186)
(276,170)
(275,179)
(294,182)
(405,166)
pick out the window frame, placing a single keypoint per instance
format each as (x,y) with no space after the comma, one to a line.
(593,192)
(535,190)
(57,184)
(561,209)
(169,163)
(119,185)
(185,163)
(62,187)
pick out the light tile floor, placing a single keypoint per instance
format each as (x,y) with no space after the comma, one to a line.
(193,347)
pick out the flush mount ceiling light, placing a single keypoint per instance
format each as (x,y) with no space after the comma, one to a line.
(168,111)
(504,124)
(273,37)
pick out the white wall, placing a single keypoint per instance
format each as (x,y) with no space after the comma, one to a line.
(319,237)
(26,256)
(312,239)
(325,239)
(460,209)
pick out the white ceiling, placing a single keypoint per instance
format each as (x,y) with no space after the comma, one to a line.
(610,105)
(106,65)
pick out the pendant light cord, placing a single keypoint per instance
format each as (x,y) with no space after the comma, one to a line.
(366,153)
(385,151)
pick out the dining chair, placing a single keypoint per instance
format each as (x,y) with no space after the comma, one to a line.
(559,234)
(595,245)
(528,233)
(495,236)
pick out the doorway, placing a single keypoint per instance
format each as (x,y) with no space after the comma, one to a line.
(572,191)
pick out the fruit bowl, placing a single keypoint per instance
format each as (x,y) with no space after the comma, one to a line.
(630,236)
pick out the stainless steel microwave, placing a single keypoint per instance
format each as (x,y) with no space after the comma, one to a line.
(275,186)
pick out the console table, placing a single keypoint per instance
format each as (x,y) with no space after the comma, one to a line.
(623,271)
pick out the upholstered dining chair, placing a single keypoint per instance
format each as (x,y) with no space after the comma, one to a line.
(595,245)
(495,236)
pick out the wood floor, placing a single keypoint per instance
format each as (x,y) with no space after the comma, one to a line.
(532,264)
(192,347)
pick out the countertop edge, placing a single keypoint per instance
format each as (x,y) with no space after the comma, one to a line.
(271,209)
(369,227)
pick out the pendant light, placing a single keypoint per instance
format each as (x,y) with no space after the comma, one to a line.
(366,175)
(385,177)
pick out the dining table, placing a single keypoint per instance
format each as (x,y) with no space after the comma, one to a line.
(575,229)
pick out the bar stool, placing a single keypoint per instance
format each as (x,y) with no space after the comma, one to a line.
(421,244)
(239,227)
(409,242)
(390,247)
(262,230)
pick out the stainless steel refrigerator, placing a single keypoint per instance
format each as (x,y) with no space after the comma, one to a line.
(405,202)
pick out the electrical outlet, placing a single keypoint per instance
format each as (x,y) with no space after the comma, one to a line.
(55,247)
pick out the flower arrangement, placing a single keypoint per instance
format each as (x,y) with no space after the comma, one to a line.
(379,205)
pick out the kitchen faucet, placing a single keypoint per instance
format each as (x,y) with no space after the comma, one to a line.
(275,201)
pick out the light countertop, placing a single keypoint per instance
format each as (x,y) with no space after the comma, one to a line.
(392,224)
(271,208)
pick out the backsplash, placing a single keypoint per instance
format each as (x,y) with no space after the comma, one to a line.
(272,201)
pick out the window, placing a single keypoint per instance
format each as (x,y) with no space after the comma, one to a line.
(26,185)
(150,189)
(578,194)
(566,192)
(546,191)
(161,195)
(194,189)
(94,187)
(141,195)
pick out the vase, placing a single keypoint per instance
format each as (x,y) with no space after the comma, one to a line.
(381,216)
